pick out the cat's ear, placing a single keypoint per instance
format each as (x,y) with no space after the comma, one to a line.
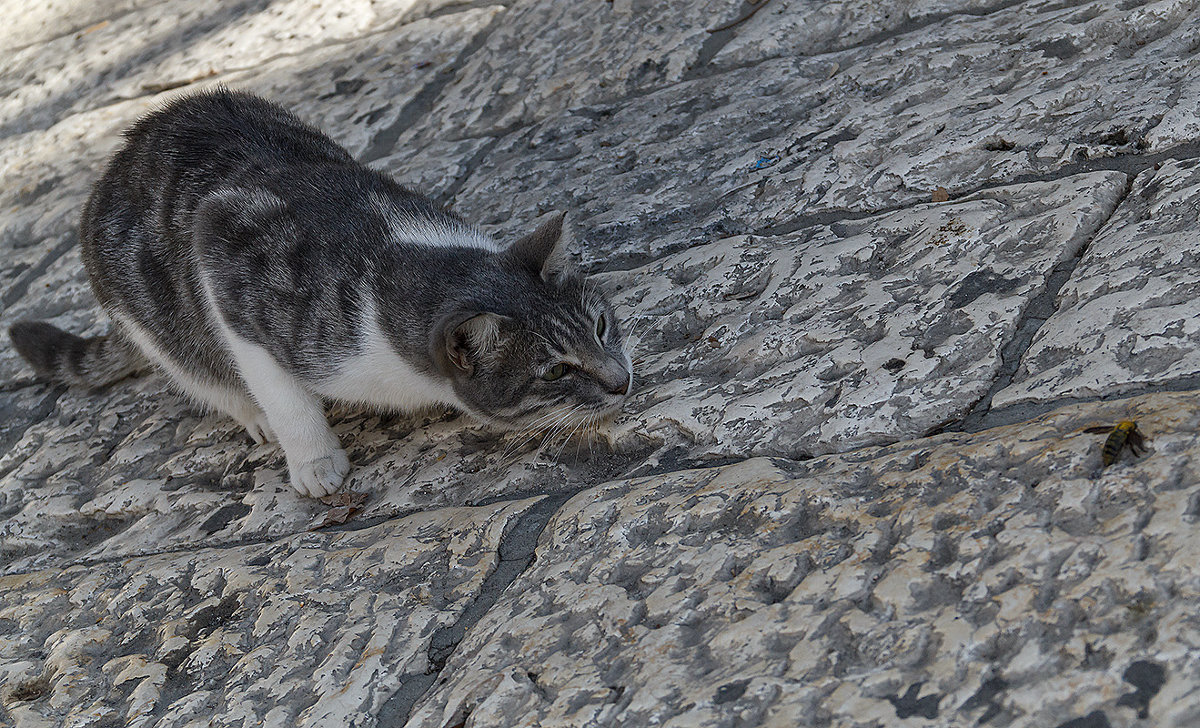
(545,249)
(466,340)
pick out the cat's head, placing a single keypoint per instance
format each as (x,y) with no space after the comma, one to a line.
(536,346)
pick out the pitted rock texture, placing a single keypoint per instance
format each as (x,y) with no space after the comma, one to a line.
(853,333)
(840,234)
(311,630)
(1128,317)
(1003,578)
(174,43)
(961,104)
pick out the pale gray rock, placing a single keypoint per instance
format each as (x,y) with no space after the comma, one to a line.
(794,27)
(1022,93)
(1129,316)
(832,337)
(549,56)
(358,89)
(1003,578)
(174,43)
(43,21)
(848,334)
(311,630)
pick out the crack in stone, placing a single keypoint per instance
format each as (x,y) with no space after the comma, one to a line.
(383,141)
(720,37)
(914,25)
(1035,315)
(21,422)
(21,285)
(73,31)
(1131,164)
(1023,411)
(470,165)
(456,8)
(516,553)
(703,67)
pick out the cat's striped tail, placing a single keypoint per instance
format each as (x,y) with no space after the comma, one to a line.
(69,359)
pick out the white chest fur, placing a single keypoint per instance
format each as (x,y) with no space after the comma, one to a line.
(377,375)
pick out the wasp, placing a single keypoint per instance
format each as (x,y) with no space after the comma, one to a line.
(1123,433)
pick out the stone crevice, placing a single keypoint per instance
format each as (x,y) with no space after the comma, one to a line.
(516,554)
(21,285)
(75,30)
(418,106)
(1035,315)
(1131,164)
(1012,414)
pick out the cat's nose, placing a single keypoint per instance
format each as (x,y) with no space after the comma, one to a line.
(621,390)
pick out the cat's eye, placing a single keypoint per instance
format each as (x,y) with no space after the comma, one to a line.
(556,372)
(601,327)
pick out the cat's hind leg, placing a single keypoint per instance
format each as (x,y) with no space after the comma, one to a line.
(241,408)
(317,464)
(206,392)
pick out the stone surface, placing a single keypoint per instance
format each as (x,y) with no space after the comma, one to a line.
(174,43)
(1128,317)
(1032,89)
(43,21)
(834,337)
(600,51)
(795,27)
(838,231)
(311,630)
(1003,578)
(848,334)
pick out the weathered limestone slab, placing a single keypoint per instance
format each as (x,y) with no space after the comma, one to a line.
(44,178)
(313,630)
(42,21)
(357,89)
(796,27)
(848,334)
(597,51)
(1129,315)
(1003,578)
(1031,90)
(830,338)
(136,469)
(173,43)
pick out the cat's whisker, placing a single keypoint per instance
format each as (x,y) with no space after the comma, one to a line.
(646,330)
(531,431)
(567,439)
(573,424)
(557,427)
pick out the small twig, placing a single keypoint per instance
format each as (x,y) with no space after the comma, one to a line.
(757,5)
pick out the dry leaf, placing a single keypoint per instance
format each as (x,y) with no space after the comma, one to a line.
(345,504)
(941,194)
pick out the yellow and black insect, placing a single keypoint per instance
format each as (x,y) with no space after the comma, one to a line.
(1123,433)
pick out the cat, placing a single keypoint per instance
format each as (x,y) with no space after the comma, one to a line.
(247,256)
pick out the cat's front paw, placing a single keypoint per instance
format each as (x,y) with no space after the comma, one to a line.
(320,476)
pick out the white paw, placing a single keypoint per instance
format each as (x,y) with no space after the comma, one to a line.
(320,476)
(258,428)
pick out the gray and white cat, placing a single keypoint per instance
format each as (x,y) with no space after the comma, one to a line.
(251,259)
